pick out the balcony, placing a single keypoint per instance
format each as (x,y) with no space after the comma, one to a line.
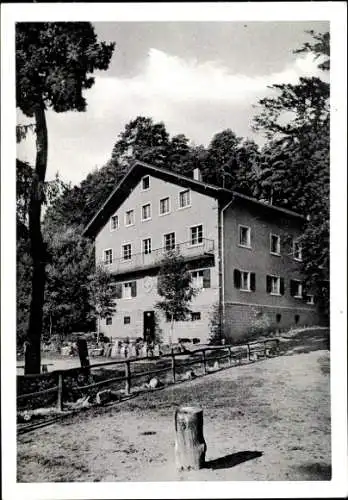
(141,261)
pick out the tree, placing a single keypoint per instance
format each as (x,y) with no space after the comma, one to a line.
(294,167)
(53,64)
(102,294)
(174,286)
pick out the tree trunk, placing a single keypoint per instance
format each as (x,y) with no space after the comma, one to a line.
(171,330)
(37,246)
(190,446)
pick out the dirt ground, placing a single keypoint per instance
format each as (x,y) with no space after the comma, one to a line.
(269,420)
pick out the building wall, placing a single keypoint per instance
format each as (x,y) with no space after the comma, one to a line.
(203,210)
(246,310)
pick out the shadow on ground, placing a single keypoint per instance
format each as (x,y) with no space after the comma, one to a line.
(232,460)
(315,471)
(305,341)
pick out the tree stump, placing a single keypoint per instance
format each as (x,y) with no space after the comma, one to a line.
(190,446)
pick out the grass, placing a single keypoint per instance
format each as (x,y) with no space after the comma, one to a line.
(264,421)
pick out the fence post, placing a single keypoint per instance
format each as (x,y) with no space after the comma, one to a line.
(60,392)
(128,376)
(229,356)
(204,362)
(173,365)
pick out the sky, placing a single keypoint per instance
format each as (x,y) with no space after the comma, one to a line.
(199,78)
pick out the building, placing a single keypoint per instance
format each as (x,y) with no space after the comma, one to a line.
(243,255)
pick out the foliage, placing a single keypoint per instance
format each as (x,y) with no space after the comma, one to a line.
(294,167)
(101,294)
(53,66)
(174,286)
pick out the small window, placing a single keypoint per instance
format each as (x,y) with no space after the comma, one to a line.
(108,256)
(297,251)
(126,320)
(129,290)
(127,251)
(147,246)
(114,222)
(164,206)
(185,199)
(244,236)
(195,316)
(129,218)
(146,212)
(275,244)
(296,289)
(244,280)
(278,318)
(169,241)
(275,285)
(108,321)
(297,318)
(196,235)
(145,183)
(310,299)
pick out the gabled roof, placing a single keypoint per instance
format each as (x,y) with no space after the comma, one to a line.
(139,169)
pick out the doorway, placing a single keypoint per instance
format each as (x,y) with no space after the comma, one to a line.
(149,326)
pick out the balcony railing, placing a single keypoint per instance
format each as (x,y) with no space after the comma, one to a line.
(153,259)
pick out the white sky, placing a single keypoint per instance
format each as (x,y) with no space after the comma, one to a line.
(197,77)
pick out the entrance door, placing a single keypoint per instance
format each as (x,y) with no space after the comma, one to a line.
(149,326)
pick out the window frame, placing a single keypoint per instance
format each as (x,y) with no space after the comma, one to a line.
(299,285)
(143,246)
(275,294)
(104,259)
(248,273)
(202,270)
(196,319)
(240,227)
(142,212)
(126,322)
(169,206)
(142,183)
(300,258)
(273,235)
(310,301)
(125,217)
(131,286)
(122,251)
(164,241)
(190,234)
(111,222)
(189,196)
(108,321)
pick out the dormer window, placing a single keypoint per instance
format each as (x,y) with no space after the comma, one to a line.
(145,183)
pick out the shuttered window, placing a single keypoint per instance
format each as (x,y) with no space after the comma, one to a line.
(296,289)
(129,289)
(244,280)
(275,285)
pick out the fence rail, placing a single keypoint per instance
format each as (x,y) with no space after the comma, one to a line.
(195,357)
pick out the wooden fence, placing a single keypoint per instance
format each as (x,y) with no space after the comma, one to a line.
(234,355)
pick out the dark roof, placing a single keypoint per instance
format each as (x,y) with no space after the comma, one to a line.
(139,169)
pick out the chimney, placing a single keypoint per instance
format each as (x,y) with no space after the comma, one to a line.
(197,175)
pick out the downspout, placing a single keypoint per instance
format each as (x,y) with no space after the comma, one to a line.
(221,263)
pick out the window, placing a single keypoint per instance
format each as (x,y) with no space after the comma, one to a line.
(244,236)
(185,199)
(129,218)
(145,183)
(196,235)
(169,241)
(126,320)
(114,222)
(108,256)
(309,299)
(108,320)
(244,280)
(195,316)
(146,212)
(275,244)
(129,290)
(164,206)
(147,246)
(278,318)
(297,318)
(201,278)
(296,289)
(127,251)
(275,285)
(297,250)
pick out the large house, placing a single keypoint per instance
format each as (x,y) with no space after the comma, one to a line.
(243,254)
